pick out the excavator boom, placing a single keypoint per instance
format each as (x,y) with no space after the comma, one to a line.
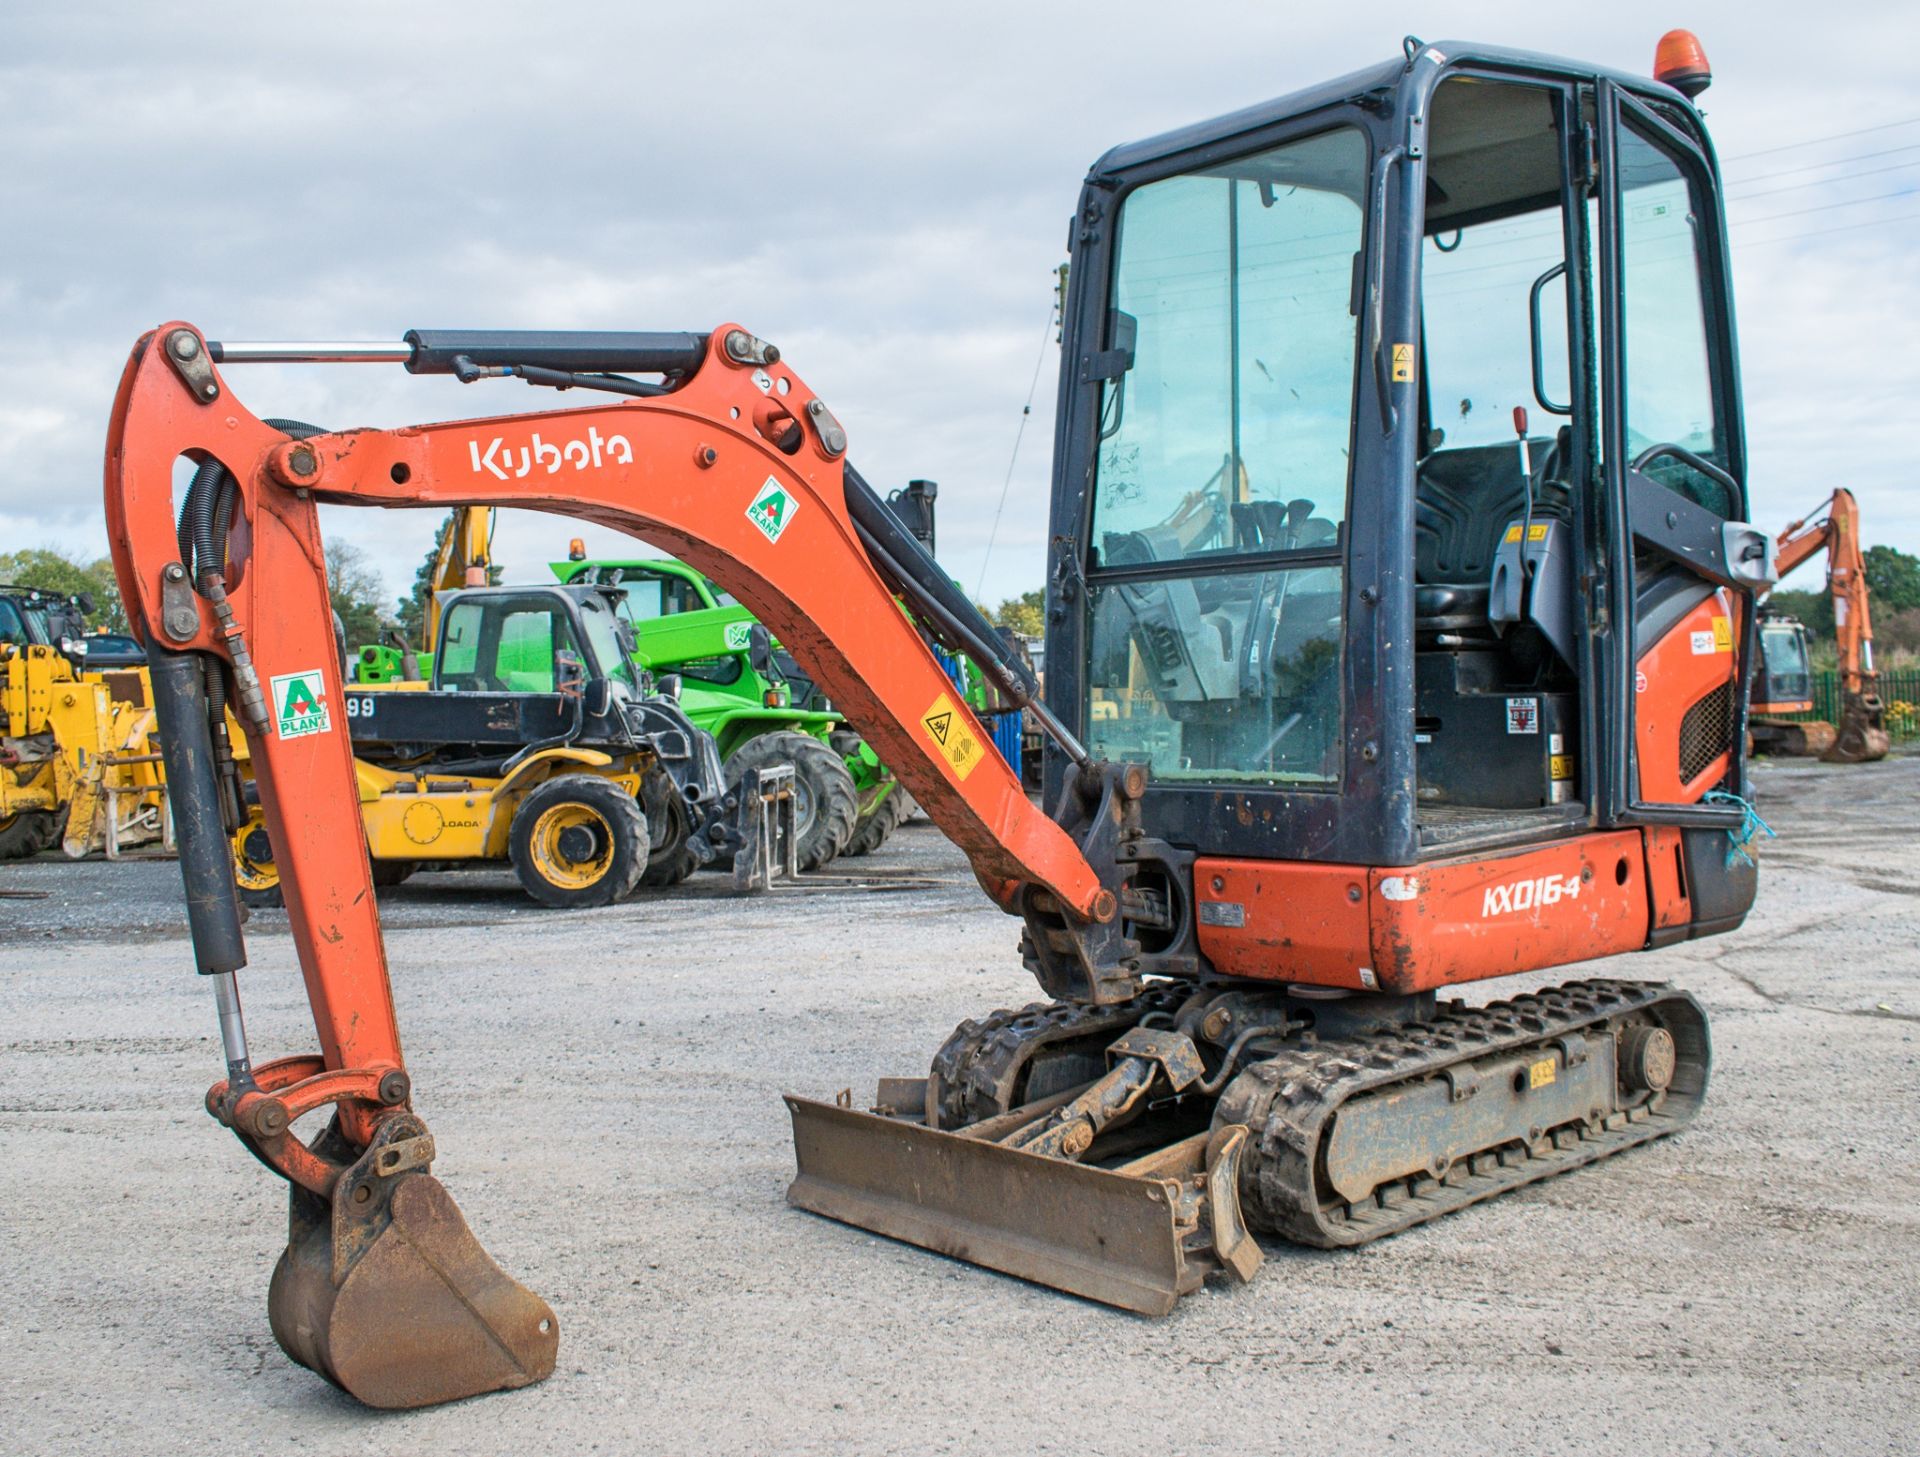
(737,467)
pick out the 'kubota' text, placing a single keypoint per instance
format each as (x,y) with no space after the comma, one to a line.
(504,461)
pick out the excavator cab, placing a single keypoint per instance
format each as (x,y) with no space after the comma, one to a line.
(1399,508)
(1783,679)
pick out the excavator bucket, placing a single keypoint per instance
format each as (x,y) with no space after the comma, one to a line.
(384,1290)
(1137,1236)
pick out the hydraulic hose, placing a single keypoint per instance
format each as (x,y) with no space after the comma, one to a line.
(954,620)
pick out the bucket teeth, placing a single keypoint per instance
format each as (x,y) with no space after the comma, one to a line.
(385,1291)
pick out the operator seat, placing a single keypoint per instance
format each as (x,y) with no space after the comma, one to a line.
(1463,500)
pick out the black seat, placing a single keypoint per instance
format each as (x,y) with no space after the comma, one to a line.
(1463,500)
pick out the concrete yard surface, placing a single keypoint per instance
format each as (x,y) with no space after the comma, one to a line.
(605,1091)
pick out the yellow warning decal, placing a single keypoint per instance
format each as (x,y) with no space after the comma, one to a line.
(1540,1075)
(1560,766)
(953,734)
(1722,635)
(1403,364)
(1535,532)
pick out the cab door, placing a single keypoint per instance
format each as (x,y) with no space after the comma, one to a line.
(1677,593)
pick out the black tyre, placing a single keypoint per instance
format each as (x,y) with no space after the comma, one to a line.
(27,834)
(254,873)
(257,878)
(872,831)
(875,797)
(825,804)
(670,857)
(578,840)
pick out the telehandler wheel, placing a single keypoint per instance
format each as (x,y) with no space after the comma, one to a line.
(670,857)
(578,840)
(825,803)
(876,790)
(27,833)
(872,832)
(254,872)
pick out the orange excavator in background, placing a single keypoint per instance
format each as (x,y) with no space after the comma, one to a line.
(1783,677)
(1404,704)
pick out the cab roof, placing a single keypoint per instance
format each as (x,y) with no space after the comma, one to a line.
(1406,76)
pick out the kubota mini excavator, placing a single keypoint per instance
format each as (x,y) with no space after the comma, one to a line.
(1408,698)
(1782,675)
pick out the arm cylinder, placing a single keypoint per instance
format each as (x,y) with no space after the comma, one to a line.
(572,351)
(206,864)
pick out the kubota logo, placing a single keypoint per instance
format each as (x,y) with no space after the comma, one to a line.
(503,461)
(1525,895)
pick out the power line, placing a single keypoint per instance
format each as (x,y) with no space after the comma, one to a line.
(1816,141)
(1829,206)
(1821,166)
(1824,181)
(1026,414)
(1824,232)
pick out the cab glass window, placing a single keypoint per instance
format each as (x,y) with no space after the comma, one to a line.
(506,645)
(1232,678)
(1670,393)
(610,638)
(660,596)
(1237,287)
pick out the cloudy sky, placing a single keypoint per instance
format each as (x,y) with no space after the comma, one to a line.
(882,189)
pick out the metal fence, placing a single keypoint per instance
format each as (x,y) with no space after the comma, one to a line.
(1900,691)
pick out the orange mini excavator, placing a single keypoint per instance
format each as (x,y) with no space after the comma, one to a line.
(1782,681)
(1359,689)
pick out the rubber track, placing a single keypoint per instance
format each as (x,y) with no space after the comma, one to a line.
(980,1062)
(1287,1102)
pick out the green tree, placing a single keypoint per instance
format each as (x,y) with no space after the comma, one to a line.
(1025,614)
(357,593)
(1815,609)
(54,571)
(1893,579)
(412,617)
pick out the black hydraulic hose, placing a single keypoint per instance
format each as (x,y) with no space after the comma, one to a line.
(985,656)
(928,584)
(206,863)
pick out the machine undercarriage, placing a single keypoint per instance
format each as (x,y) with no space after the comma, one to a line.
(1193,1114)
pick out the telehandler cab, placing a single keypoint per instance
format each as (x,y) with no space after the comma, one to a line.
(537,742)
(1355,695)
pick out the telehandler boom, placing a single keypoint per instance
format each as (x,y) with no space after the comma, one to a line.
(1355,694)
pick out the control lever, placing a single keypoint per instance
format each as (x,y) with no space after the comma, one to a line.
(1526,522)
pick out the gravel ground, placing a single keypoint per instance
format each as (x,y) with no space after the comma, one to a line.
(604,1087)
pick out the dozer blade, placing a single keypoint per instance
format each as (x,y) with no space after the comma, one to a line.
(385,1292)
(1091,1232)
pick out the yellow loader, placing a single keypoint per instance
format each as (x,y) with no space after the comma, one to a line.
(78,761)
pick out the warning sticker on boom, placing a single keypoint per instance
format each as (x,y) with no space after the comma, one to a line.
(300,704)
(953,734)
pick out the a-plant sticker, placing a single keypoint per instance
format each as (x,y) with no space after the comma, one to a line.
(300,704)
(772,509)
